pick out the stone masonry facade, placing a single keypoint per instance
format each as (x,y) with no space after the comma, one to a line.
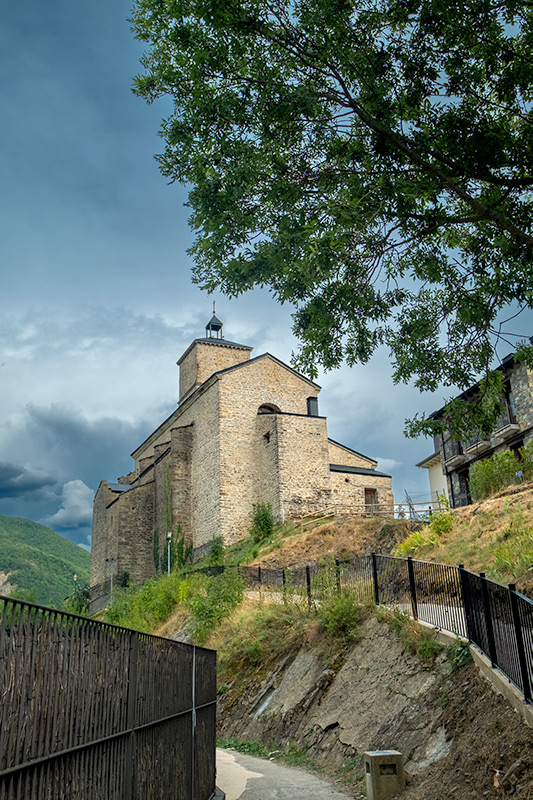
(449,465)
(246,430)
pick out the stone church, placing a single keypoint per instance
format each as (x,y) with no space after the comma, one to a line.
(246,430)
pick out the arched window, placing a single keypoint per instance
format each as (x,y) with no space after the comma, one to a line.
(268,408)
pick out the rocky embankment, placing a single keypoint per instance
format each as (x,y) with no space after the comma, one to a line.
(458,737)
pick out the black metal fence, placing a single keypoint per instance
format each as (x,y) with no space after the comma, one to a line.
(92,711)
(496,618)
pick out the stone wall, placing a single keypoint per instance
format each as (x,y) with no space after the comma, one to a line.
(349,489)
(182,459)
(135,526)
(203,359)
(267,461)
(343,455)
(304,474)
(102,540)
(522,387)
(122,535)
(245,468)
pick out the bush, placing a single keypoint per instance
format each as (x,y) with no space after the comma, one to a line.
(416,541)
(340,615)
(491,475)
(414,638)
(216,551)
(441,522)
(78,602)
(526,464)
(262,521)
(458,654)
(256,637)
(212,599)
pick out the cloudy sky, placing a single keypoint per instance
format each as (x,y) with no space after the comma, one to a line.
(96,302)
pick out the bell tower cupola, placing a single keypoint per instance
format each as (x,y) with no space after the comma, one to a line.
(213,329)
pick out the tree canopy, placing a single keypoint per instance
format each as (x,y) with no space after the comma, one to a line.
(369,162)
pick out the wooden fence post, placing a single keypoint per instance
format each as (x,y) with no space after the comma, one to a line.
(130,765)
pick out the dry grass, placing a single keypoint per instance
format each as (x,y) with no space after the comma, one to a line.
(494,536)
(340,539)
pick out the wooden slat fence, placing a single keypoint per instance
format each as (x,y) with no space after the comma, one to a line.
(91,711)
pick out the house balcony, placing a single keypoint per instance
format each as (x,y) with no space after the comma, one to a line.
(455,461)
(506,427)
(477,445)
(453,454)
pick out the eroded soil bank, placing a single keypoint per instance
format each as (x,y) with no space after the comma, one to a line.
(459,738)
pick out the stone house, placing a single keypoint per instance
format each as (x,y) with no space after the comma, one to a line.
(246,430)
(448,466)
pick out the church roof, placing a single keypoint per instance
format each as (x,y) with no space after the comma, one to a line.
(256,358)
(216,343)
(357,470)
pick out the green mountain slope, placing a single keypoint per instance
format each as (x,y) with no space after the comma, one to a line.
(35,559)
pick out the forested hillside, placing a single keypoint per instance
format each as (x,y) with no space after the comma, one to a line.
(38,562)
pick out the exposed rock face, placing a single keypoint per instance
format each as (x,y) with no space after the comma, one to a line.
(375,699)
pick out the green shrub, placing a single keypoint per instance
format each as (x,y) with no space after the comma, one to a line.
(416,639)
(212,599)
(340,615)
(216,551)
(459,654)
(441,522)
(491,475)
(256,638)
(416,541)
(182,552)
(514,556)
(526,462)
(262,522)
(78,601)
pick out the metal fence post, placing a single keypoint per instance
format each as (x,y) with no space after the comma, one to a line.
(308,582)
(520,643)
(375,578)
(488,620)
(130,765)
(412,586)
(338,574)
(259,575)
(465,591)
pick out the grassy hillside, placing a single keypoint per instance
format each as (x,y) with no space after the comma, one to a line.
(39,562)
(494,536)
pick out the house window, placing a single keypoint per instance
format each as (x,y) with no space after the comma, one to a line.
(312,406)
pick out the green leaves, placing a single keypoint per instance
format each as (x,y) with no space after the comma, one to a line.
(371,163)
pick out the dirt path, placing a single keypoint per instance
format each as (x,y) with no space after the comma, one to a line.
(249,778)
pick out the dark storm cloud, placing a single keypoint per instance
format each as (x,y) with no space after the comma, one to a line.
(18,482)
(82,448)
